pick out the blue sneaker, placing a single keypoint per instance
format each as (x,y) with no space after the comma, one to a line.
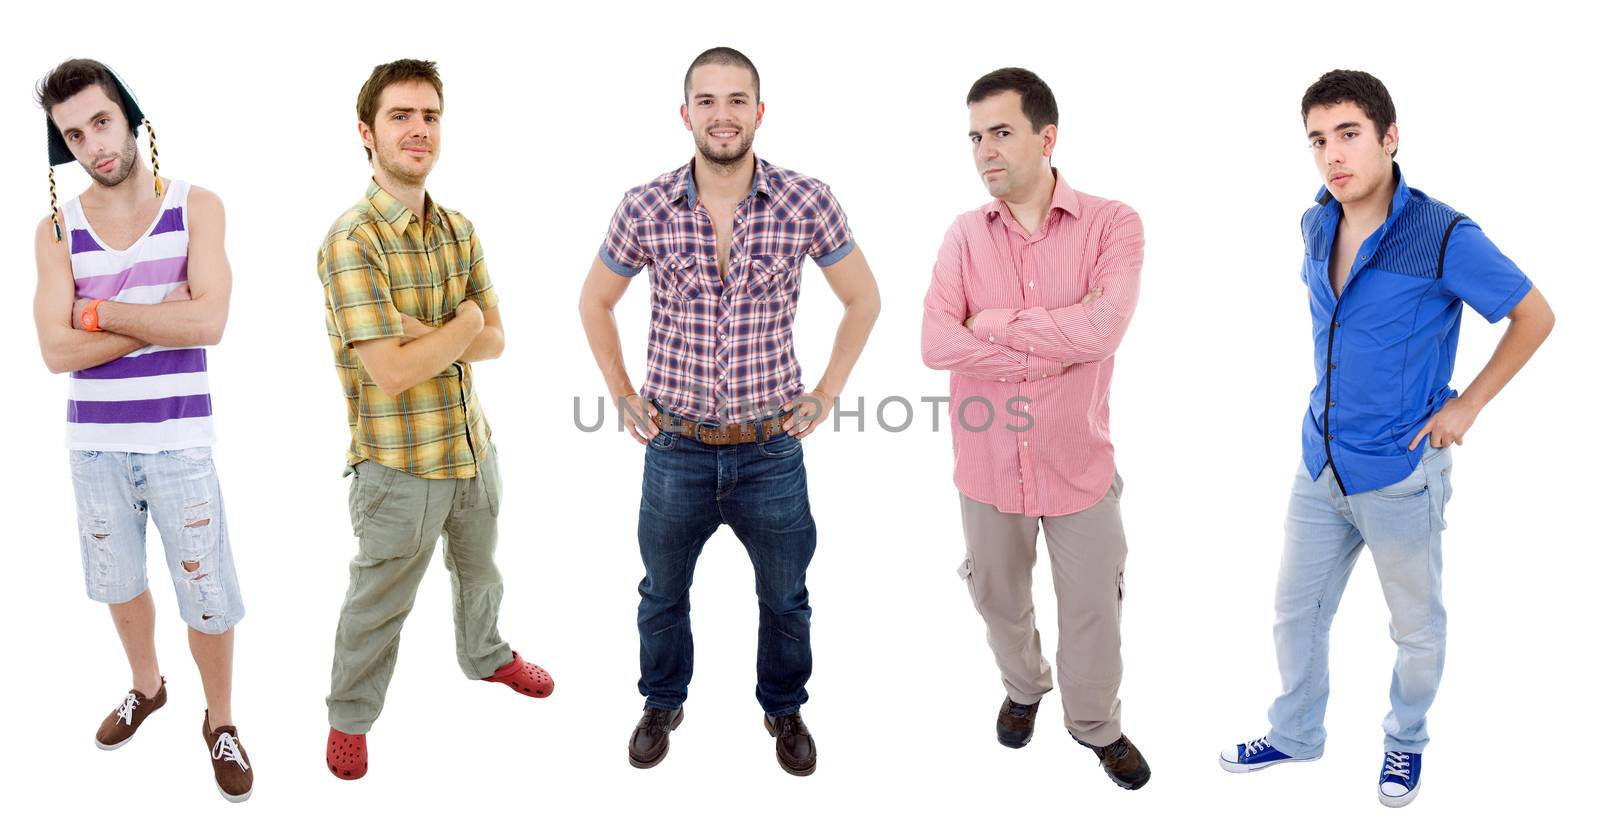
(1256,755)
(1401,778)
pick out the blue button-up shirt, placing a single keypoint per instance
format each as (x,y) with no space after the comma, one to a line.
(1385,348)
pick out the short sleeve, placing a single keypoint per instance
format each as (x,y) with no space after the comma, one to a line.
(355,283)
(1476,272)
(479,287)
(830,240)
(621,250)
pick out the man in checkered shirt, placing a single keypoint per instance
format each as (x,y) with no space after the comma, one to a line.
(722,409)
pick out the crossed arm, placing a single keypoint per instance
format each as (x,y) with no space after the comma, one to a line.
(1036,342)
(193,314)
(400,362)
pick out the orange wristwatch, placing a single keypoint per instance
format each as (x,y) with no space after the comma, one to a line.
(90,318)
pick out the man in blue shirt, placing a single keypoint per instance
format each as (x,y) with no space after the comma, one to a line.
(1388,269)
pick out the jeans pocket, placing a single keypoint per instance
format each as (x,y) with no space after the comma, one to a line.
(663,441)
(1414,485)
(197,456)
(783,445)
(78,457)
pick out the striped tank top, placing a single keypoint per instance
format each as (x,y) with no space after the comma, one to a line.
(154,398)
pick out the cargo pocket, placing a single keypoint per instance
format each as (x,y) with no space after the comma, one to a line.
(964,571)
(387,520)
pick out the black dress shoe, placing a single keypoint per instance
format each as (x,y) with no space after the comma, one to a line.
(650,739)
(1123,762)
(797,753)
(1015,726)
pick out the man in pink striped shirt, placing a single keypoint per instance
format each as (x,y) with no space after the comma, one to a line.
(1031,294)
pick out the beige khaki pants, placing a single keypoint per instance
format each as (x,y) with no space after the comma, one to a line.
(1087,553)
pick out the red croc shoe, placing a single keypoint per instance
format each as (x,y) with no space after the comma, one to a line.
(524,677)
(347,755)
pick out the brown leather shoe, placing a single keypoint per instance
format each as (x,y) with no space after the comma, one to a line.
(651,738)
(118,728)
(797,752)
(1123,762)
(229,762)
(1014,728)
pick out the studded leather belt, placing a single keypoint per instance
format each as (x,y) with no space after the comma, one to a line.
(726,434)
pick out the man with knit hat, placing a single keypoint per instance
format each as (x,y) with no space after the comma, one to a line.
(133,285)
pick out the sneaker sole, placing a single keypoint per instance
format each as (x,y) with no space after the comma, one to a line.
(1236,767)
(112,746)
(645,764)
(1398,800)
(237,799)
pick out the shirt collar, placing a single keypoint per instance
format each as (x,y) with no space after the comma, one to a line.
(682,187)
(393,211)
(1064,199)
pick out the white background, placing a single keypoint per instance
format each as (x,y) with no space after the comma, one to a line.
(1188,113)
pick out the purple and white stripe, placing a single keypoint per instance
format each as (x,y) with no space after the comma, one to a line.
(155,398)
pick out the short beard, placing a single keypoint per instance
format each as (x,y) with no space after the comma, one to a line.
(124,166)
(703,144)
(399,171)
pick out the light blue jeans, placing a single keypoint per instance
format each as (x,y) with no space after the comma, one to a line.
(118,491)
(1400,524)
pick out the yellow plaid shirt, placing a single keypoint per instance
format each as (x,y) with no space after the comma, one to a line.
(377,262)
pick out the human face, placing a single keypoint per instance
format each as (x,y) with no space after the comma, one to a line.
(1353,158)
(99,135)
(405,133)
(722,112)
(1012,158)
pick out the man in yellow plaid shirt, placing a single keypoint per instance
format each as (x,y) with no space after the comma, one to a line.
(409,308)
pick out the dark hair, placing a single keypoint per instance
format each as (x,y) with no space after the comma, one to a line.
(388,74)
(1359,87)
(722,55)
(1038,103)
(66,80)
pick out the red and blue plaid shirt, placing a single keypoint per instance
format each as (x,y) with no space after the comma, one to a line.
(723,351)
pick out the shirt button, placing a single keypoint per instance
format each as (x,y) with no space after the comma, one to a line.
(1030,347)
(1002,380)
(1030,285)
(1333,366)
(1337,325)
(1330,437)
(1024,444)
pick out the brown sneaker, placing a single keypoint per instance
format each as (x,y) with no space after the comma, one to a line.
(229,762)
(1123,762)
(1014,727)
(119,727)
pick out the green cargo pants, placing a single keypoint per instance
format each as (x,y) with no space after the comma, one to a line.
(398,519)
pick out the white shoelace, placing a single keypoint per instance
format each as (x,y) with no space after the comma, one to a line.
(1256,746)
(125,712)
(227,749)
(1398,765)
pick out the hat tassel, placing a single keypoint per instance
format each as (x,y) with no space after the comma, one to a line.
(55,211)
(155,156)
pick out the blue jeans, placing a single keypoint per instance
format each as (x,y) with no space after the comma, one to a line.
(1401,525)
(117,492)
(759,490)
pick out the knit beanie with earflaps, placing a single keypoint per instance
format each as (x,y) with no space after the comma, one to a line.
(60,154)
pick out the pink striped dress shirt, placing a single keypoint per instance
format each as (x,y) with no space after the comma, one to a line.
(1030,381)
